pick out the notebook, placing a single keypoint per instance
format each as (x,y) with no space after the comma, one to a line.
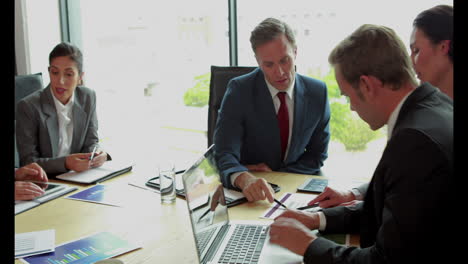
(108,170)
(217,239)
(34,243)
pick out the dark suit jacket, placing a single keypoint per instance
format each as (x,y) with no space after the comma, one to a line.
(400,218)
(37,131)
(247,130)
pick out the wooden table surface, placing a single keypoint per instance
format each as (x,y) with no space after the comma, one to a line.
(162,231)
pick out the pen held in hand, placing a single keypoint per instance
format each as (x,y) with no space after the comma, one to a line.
(280,203)
(308,206)
(93,153)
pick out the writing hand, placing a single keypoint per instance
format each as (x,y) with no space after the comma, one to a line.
(99,158)
(78,162)
(331,197)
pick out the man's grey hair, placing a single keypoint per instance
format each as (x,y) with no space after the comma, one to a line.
(268,30)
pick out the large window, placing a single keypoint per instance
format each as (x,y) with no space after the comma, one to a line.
(318,27)
(43,33)
(149,63)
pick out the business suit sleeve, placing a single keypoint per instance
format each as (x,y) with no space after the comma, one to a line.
(29,127)
(410,185)
(316,150)
(228,134)
(91,137)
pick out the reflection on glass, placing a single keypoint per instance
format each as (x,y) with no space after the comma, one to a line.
(206,201)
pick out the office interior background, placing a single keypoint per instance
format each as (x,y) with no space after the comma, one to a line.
(149,63)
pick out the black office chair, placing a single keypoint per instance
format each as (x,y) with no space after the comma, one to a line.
(220,76)
(24,86)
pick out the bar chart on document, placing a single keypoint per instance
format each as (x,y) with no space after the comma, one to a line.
(90,249)
(73,257)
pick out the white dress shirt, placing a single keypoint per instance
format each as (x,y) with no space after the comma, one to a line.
(276,102)
(65,125)
(393,117)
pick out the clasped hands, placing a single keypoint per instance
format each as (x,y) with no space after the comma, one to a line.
(81,161)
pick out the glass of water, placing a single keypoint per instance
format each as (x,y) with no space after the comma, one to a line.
(167,183)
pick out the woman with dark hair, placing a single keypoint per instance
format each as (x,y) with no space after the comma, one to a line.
(431,46)
(56,127)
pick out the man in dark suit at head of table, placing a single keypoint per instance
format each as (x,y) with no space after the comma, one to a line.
(273,118)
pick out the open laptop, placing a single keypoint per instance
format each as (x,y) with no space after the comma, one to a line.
(219,240)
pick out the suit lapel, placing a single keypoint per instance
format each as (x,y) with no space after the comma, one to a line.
(79,119)
(418,94)
(48,107)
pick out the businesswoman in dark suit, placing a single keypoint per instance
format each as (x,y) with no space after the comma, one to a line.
(57,126)
(431,46)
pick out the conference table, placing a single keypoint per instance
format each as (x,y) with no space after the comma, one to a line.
(163,231)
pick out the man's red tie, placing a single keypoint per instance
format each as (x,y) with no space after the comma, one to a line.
(283,120)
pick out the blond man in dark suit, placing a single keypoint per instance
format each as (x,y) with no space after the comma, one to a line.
(414,177)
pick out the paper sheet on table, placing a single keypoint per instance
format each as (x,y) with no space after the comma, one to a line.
(33,243)
(292,201)
(102,194)
(90,249)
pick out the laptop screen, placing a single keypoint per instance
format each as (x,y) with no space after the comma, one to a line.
(205,199)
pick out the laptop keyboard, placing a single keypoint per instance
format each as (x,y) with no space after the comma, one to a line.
(245,245)
(203,238)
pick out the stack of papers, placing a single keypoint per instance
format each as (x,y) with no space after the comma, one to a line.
(90,249)
(34,243)
(103,194)
(292,201)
